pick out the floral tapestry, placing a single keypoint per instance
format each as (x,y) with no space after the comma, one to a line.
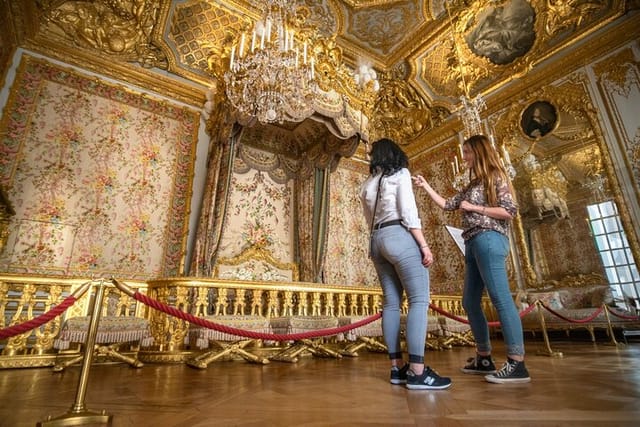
(259,216)
(348,260)
(99,176)
(447,271)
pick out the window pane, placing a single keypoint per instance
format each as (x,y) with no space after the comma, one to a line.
(602,242)
(615,241)
(629,291)
(611,275)
(629,254)
(624,274)
(610,224)
(608,209)
(619,257)
(625,242)
(597,227)
(607,259)
(634,273)
(593,211)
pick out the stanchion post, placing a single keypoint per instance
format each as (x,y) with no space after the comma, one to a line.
(543,325)
(609,327)
(78,414)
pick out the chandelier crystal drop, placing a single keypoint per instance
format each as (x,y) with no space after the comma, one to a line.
(470,115)
(271,73)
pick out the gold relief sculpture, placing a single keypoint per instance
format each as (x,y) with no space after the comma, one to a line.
(239,302)
(47,333)
(19,342)
(616,72)
(316,304)
(342,304)
(222,302)
(119,28)
(201,303)
(273,305)
(333,75)
(329,306)
(354,304)
(400,112)
(159,322)
(288,303)
(260,254)
(562,15)
(256,302)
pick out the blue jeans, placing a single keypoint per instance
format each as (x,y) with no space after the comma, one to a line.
(485,266)
(398,262)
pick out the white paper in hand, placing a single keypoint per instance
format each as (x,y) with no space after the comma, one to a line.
(456,235)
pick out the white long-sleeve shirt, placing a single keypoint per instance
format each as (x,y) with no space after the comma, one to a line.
(397,200)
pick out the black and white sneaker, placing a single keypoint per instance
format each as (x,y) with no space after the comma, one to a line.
(429,380)
(399,375)
(479,365)
(512,372)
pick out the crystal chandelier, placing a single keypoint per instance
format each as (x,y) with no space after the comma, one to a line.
(271,73)
(470,108)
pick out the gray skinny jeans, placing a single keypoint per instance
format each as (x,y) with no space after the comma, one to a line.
(398,262)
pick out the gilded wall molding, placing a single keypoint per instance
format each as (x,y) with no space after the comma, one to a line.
(571,98)
(617,76)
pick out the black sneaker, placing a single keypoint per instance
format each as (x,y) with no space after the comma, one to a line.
(399,375)
(512,372)
(429,380)
(479,365)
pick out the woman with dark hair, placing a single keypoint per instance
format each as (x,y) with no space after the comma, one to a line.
(487,207)
(401,256)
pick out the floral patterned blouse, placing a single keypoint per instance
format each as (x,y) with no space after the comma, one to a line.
(475,223)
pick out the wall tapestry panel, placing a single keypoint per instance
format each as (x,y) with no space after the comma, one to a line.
(259,216)
(562,259)
(447,271)
(99,175)
(348,260)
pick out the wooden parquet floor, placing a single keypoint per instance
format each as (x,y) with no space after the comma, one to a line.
(592,385)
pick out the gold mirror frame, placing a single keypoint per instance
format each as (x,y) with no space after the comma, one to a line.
(571,98)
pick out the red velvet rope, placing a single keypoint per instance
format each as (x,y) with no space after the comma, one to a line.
(248,334)
(621,315)
(463,320)
(566,319)
(21,328)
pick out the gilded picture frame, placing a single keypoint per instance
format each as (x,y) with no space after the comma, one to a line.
(539,119)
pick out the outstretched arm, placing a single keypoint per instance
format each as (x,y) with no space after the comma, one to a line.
(419,181)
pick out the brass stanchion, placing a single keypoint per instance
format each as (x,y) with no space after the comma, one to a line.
(78,414)
(543,324)
(610,328)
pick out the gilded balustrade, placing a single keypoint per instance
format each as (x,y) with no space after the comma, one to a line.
(24,297)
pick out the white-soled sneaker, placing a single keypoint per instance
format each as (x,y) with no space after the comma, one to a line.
(399,375)
(512,372)
(429,380)
(479,365)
